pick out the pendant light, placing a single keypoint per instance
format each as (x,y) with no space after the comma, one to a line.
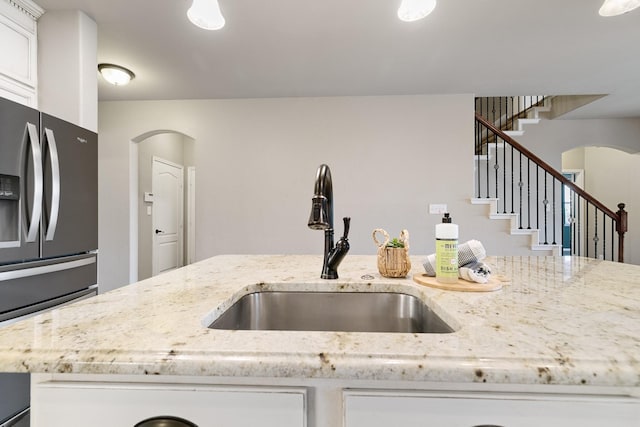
(413,10)
(618,7)
(115,74)
(206,14)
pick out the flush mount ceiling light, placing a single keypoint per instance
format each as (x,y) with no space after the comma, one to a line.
(206,14)
(412,10)
(618,7)
(115,74)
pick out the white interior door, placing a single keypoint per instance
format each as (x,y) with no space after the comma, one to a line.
(168,208)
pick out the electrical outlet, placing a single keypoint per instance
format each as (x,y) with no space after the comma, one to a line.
(437,209)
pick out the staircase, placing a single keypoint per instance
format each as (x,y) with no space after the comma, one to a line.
(538,201)
(515,230)
(531,116)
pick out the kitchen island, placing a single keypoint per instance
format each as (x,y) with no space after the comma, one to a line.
(559,344)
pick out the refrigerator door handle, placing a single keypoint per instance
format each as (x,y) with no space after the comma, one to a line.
(55,184)
(36,156)
(44,269)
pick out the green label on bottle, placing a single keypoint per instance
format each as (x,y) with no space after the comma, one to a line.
(447,259)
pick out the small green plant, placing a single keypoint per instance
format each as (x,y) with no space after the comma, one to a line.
(395,243)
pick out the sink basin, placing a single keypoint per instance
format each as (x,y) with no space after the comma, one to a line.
(331,311)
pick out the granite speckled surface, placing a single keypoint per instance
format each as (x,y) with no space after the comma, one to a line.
(568,321)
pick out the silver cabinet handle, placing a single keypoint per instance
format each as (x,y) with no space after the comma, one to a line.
(55,184)
(167,421)
(487,425)
(31,133)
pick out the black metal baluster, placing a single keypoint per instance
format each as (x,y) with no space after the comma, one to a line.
(493,110)
(613,238)
(504,176)
(512,182)
(553,209)
(528,193)
(521,185)
(545,202)
(537,197)
(563,217)
(513,112)
(586,229)
(579,225)
(574,231)
(604,235)
(487,169)
(496,166)
(500,114)
(595,235)
(476,154)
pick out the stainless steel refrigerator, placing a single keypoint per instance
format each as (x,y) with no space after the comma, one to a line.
(48,226)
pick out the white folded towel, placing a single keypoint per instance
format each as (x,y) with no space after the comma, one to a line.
(469,267)
(478,272)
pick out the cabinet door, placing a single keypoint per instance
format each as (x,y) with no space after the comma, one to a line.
(508,410)
(75,404)
(18,62)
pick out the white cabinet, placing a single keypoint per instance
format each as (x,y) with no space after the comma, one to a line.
(125,400)
(18,62)
(440,409)
(63,404)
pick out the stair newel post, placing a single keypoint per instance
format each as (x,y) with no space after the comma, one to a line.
(621,228)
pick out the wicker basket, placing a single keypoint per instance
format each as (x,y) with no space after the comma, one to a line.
(393,262)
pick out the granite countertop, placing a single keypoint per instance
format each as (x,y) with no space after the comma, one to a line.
(560,320)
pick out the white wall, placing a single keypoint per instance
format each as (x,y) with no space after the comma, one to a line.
(257,159)
(550,138)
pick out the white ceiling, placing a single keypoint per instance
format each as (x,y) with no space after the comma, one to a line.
(285,48)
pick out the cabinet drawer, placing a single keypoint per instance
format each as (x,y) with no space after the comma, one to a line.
(373,409)
(123,404)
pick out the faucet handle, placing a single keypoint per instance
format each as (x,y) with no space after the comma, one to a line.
(347,223)
(339,251)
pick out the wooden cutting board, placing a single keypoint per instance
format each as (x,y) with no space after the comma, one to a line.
(493,284)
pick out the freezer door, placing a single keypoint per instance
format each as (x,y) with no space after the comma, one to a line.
(20,182)
(34,286)
(14,389)
(70,213)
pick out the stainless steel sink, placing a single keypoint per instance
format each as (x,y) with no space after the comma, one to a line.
(331,311)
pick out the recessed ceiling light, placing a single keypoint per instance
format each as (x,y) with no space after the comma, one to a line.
(115,74)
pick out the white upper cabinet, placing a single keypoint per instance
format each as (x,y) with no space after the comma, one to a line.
(19,59)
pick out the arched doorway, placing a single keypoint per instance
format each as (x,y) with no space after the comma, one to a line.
(151,245)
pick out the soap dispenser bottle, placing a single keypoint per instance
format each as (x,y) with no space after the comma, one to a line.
(447,251)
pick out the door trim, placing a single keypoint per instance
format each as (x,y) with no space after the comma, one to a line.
(191,214)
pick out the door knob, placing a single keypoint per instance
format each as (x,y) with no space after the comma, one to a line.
(159,231)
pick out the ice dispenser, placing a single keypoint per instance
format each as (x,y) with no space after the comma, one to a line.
(9,211)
